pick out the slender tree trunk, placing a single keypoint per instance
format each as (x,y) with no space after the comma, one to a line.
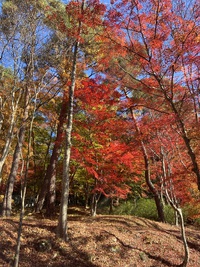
(9,134)
(186,248)
(62,221)
(154,191)
(183,235)
(17,251)
(23,193)
(94,203)
(87,195)
(157,196)
(28,74)
(176,221)
(186,139)
(7,202)
(177,211)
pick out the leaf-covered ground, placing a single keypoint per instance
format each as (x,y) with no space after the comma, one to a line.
(114,241)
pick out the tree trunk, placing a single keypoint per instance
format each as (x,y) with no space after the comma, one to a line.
(17,251)
(7,201)
(9,134)
(42,195)
(51,187)
(28,62)
(51,170)
(111,206)
(154,191)
(183,235)
(94,203)
(186,248)
(23,194)
(156,195)
(190,151)
(62,221)
(87,195)
(49,184)
(177,210)
(176,221)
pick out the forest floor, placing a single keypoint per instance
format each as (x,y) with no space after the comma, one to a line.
(106,240)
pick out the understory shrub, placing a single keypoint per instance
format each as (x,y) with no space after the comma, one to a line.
(146,208)
(143,207)
(169,214)
(191,214)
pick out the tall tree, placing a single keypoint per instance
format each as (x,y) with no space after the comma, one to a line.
(62,222)
(166,57)
(23,51)
(99,138)
(27,59)
(10,98)
(85,17)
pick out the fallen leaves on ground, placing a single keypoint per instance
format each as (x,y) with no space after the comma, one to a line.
(103,241)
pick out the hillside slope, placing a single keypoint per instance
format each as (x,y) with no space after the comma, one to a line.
(113,241)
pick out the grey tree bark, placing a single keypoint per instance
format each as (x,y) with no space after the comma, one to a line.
(62,221)
(27,35)
(14,108)
(153,190)
(178,211)
(7,202)
(24,179)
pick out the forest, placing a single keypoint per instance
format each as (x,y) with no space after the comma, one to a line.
(100,111)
